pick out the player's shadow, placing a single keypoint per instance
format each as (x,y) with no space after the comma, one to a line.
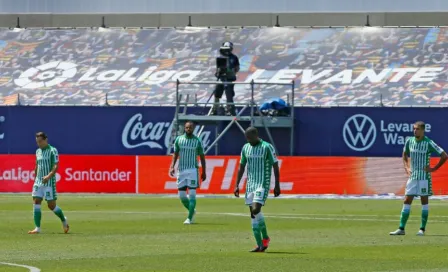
(286,252)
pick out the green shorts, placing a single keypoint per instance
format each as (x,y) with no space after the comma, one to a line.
(47,192)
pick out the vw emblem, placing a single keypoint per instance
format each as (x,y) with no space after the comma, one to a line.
(359,132)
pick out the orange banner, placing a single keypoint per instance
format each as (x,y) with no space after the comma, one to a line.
(298,175)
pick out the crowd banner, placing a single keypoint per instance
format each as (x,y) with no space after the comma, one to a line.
(331,66)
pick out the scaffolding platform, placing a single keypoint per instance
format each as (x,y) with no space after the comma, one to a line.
(257,121)
(246,113)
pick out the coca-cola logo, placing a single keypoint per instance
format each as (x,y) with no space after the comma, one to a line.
(136,133)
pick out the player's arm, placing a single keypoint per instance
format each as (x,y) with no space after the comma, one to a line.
(241,170)
(443,157)
(55,163)
(203,163)
(405,157)
(175,157)
(35,170)
(274,160)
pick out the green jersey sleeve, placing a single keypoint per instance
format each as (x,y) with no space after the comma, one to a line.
(272,158)
(54,156)
(200,148)
(176,145)
(243,159)
(406,147)
(434,148)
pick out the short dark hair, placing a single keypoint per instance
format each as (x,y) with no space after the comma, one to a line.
(252,131)
(420,124)
(41,135)
(191,122)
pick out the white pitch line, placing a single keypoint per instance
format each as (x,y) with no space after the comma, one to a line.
(30,268)
(311,217)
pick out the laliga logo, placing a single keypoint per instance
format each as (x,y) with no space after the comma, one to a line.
(359,132)
(46,75)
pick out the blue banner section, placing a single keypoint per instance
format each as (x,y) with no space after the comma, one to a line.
(147,130)
(365,131)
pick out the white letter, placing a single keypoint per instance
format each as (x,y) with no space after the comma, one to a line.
(147,73)
(88,76)
(129,74)
(211,164)
(114,75)
(159,77)
(401,72)
(426,74)
(285,76)
(255,76)
(307,76)
(345,77)
(372,76)
(187,75)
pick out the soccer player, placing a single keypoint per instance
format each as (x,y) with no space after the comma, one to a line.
(260,158)
(186,148)
(47,160)
(418,149)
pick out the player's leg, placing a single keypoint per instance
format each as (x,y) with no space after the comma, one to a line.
(182,192)
(425,213)
(249,198)
(425,187)
(192,184)
(410,191)
(260,198)
(51,197)
(182,188)
(37,195)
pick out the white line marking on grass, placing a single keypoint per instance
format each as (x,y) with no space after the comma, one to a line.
(30,268)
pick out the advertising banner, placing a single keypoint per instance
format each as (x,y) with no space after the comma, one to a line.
(149,175)
(330,66)
(366,132)
(76,174)
(298,175)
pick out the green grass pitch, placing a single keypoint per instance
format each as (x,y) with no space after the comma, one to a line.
(142,233)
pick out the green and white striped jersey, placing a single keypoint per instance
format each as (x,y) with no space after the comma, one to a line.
(420,154)
(189,148)
(259,160)
(45,160)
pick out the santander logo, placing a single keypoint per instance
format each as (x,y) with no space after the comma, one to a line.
(136,133)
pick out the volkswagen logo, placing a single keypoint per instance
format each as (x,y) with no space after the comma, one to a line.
(359,132)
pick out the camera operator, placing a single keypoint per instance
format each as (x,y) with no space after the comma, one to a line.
(227,66)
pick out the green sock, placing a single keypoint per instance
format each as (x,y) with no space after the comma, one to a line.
(262,225)
(185,202)
(191,207)
(425,213)
(405,215)
(59,213)
(257,232)
(37,215)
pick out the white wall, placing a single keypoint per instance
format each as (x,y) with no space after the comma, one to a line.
(223,6)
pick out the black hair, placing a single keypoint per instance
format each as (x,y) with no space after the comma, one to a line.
(41,135)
